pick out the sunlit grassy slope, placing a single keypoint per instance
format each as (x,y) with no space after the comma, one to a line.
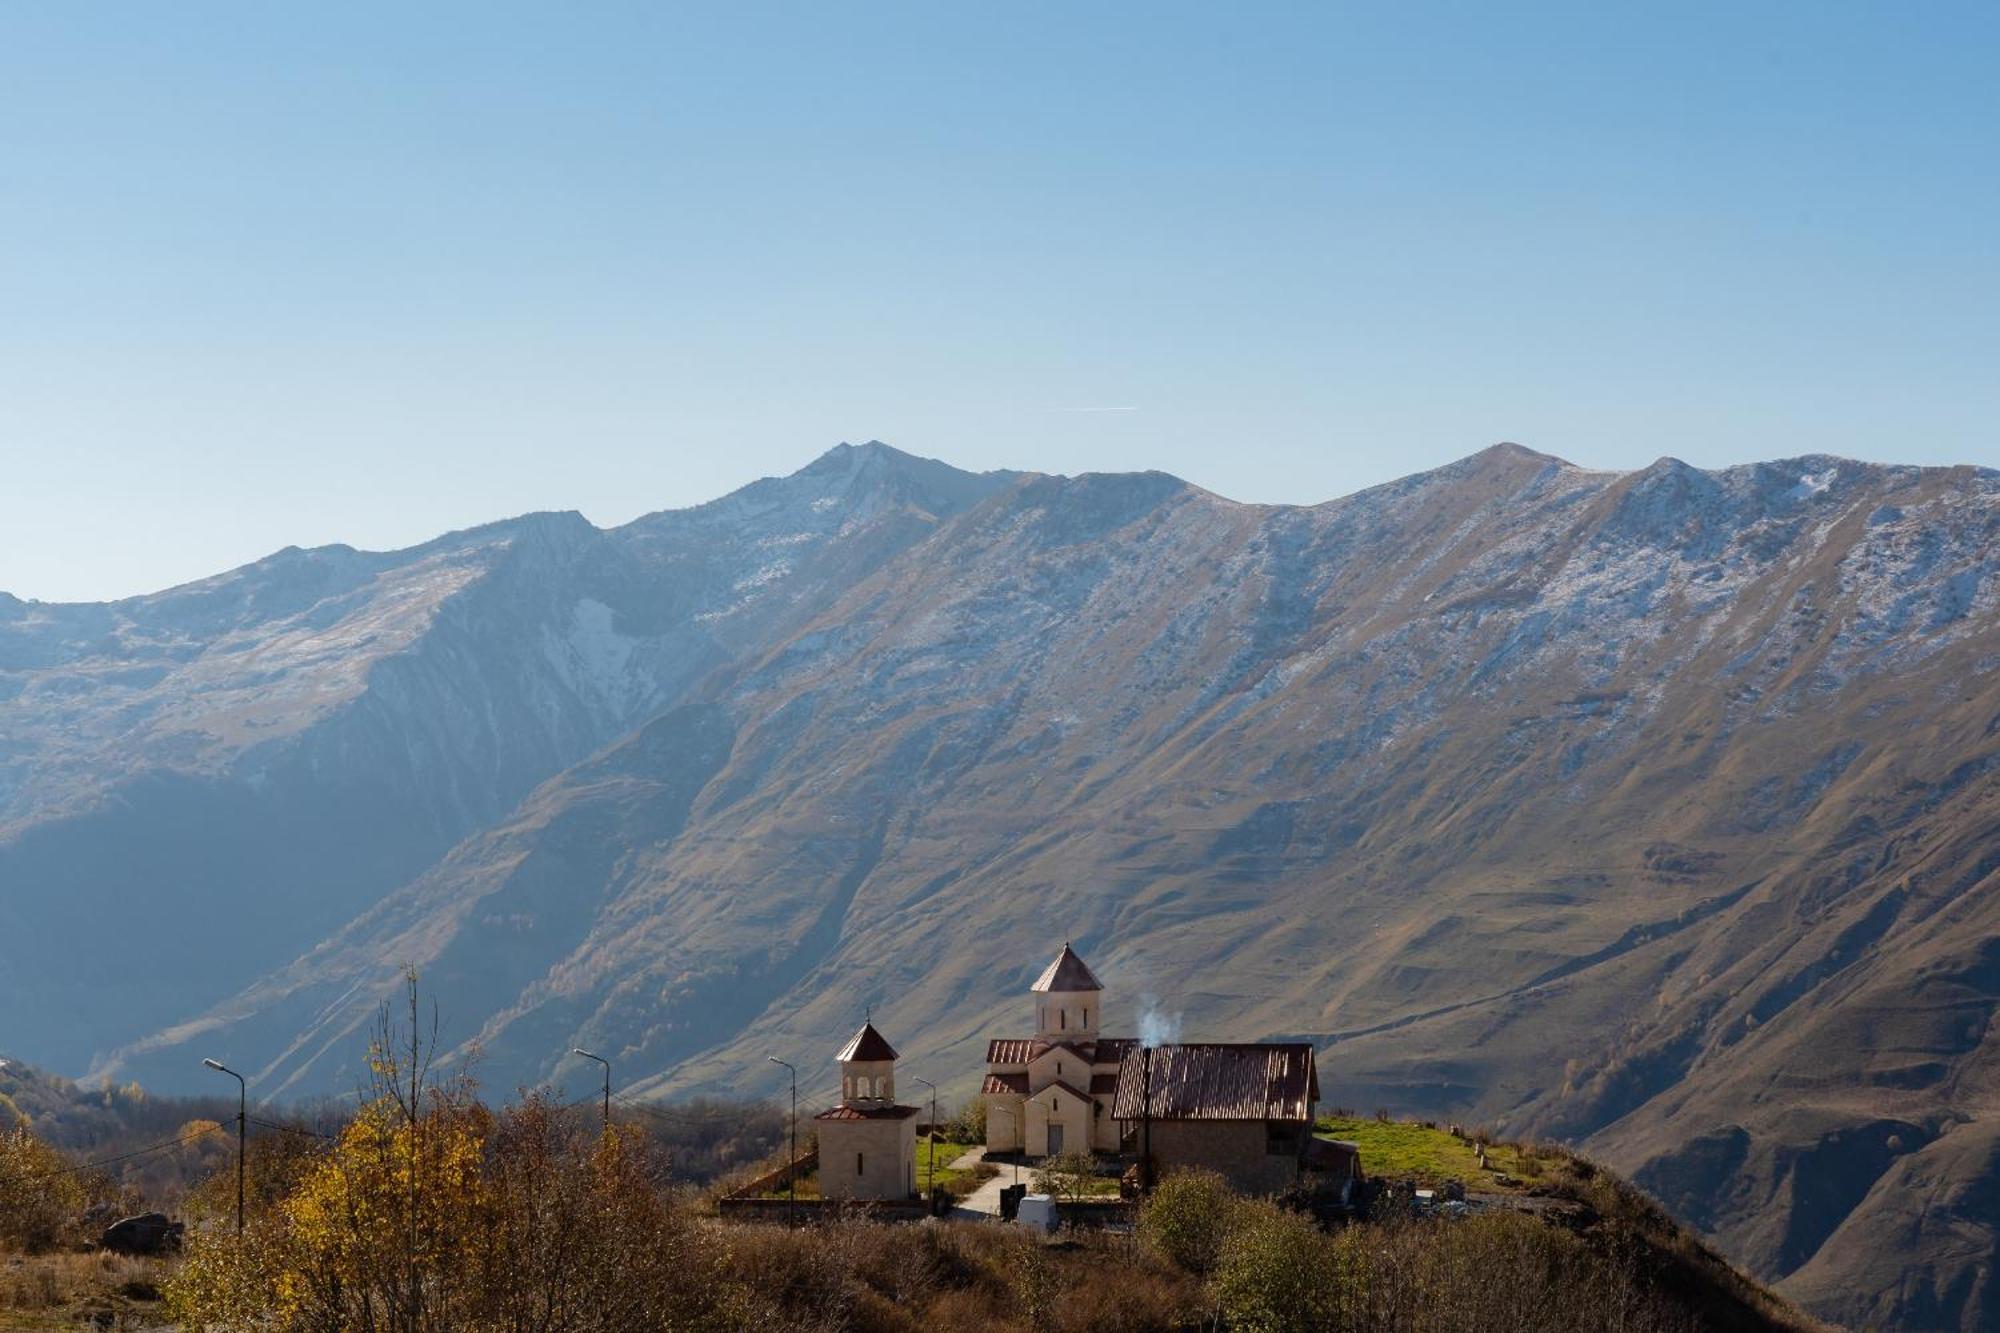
(1432,1154)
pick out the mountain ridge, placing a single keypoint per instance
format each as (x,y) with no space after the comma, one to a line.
(1679,774)
(320,700)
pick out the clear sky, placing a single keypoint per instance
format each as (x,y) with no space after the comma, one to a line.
(275,274)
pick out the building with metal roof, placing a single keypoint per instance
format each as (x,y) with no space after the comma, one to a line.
(1051,1093)
(1241,1109)
(867,1143)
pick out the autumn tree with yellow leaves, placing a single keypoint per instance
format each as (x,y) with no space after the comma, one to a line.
(432,1212)
(40,1192)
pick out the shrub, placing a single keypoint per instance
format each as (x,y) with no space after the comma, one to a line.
(432,1211)
(1278,1272)
(1497,1270)
(1187,1218)
(1065,1177)
(968,1181)
(1037,1286)
(969,1125)
(40,1193)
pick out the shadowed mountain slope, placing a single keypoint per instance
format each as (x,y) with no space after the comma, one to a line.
(199,784)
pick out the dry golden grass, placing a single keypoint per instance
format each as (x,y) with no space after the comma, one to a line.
(71,1290)
(884,1278)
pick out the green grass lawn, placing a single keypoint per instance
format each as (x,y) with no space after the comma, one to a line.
(808,1187)
(934,1159)
(1393,1149)
(1101,1187)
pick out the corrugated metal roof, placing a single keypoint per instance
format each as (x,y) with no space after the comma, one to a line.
(1014,1083)
(1220,1081)
(1022,1050)
(1066,973)
(867,1044)
(1011,1050)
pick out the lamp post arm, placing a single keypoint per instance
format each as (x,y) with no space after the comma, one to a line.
(588,1055)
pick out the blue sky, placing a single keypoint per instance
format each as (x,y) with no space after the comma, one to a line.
(292,274)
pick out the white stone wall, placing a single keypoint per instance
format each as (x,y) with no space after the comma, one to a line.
(1053,1106)
(1005,1122)
(1068,1015)
(868,1159)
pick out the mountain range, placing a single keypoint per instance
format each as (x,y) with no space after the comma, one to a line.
(1656,811)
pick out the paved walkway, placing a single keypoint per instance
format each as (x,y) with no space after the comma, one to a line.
(983,1202)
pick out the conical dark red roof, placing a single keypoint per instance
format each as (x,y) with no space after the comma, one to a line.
(1067,973)
(867,1044)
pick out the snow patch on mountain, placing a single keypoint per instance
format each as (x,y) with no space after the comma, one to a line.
(594,660)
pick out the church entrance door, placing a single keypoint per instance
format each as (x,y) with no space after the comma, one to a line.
(1055,1139)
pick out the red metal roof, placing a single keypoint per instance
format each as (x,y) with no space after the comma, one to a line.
(1111,1050)
(1220,1081)
(1015,1083)
(867,1044)
(1103,1085)
(1066,973)
(1011,1050)
(868,1113)
(1022,1050)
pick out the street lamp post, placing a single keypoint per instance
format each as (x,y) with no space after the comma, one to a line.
(930,1171)
(242,1130)
(578,1050)
(792,1166)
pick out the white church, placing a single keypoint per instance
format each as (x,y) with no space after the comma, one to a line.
(1053,1092)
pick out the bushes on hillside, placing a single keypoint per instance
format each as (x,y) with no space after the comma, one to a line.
(1277,1272)
(40,1194)
(431,1211)
(1271,1269)
(1187,1219)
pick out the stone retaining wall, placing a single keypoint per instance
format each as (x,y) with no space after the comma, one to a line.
(776,1177)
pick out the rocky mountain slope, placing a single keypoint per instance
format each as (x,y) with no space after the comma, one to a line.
(199,784)
(1652,810)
